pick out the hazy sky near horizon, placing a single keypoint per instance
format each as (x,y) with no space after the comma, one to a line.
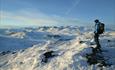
(55,12)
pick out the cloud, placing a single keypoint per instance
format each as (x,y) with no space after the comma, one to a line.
(33,17)
(74,5)
(27,17)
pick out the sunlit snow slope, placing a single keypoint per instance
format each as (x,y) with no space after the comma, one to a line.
(22,49)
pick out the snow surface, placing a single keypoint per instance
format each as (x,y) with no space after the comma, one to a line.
(22,49)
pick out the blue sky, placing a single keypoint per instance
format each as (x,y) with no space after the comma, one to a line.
(56,12)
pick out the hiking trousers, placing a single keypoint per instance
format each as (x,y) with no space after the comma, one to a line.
(96,39)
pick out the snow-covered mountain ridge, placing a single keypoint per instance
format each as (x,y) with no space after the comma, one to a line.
(22,49)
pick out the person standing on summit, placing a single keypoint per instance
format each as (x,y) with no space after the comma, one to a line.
(99,29)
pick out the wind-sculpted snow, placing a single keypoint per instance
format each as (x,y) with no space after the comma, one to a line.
(23,49)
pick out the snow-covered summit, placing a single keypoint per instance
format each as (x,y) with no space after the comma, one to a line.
(23,49)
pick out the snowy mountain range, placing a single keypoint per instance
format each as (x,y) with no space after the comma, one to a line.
(23,48)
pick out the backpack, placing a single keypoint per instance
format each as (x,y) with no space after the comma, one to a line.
(101,28)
